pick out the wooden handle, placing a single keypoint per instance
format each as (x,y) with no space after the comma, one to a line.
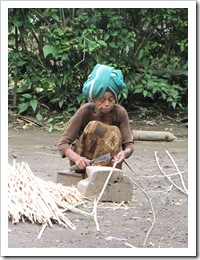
(73,167)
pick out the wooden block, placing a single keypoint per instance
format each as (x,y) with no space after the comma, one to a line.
(69,178)
(118,189)
(153,136)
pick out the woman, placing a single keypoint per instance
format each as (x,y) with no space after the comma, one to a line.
(100,126)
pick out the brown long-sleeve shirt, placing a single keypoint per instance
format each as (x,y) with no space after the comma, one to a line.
(118,117)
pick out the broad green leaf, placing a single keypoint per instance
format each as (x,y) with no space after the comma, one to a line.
(125,95)
(50,119)
(169,99)
(50,128)
(60,103)
(27,96)
(139,90)
(33,104)
(16,22)
(106,36)
(112,45)
(56,17)
(48,49)
(79,98)
(174,104)
(21,63)
(164,96)
(92,46)
(155,89)
(54,100)
(114,33)
(22,107)
(102,43)
(39,117)
(180,105)
(145,93)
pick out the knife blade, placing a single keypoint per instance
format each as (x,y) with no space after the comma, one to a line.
(96,160)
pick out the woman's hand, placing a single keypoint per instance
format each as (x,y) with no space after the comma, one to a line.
(82,162)
(121,156)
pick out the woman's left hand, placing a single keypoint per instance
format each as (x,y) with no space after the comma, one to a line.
(120,157)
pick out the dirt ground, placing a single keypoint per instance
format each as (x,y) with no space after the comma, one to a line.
(122,226)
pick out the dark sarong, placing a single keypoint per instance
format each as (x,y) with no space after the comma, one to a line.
(98,139)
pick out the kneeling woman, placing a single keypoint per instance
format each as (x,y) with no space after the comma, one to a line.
(100,126)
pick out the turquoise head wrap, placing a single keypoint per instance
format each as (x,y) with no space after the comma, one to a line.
(102,78)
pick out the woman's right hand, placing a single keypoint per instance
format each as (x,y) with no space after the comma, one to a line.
(82,163)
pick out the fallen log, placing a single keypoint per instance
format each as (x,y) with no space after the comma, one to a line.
(153,136)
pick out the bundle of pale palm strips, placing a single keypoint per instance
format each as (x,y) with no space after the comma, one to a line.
(44,202)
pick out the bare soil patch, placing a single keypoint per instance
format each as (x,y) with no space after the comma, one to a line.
(119,225)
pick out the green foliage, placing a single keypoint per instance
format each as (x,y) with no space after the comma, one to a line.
(27,101)
(156,88)
(52,51)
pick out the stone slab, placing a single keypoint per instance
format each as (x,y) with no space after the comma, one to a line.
(118,189)
(69,178)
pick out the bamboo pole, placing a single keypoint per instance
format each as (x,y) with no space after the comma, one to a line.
(94,212)
(31,198)
(180,174)
(179,188)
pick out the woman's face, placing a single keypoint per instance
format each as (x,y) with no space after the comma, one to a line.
(106,103)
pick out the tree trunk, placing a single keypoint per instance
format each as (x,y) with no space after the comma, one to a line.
(15,74)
